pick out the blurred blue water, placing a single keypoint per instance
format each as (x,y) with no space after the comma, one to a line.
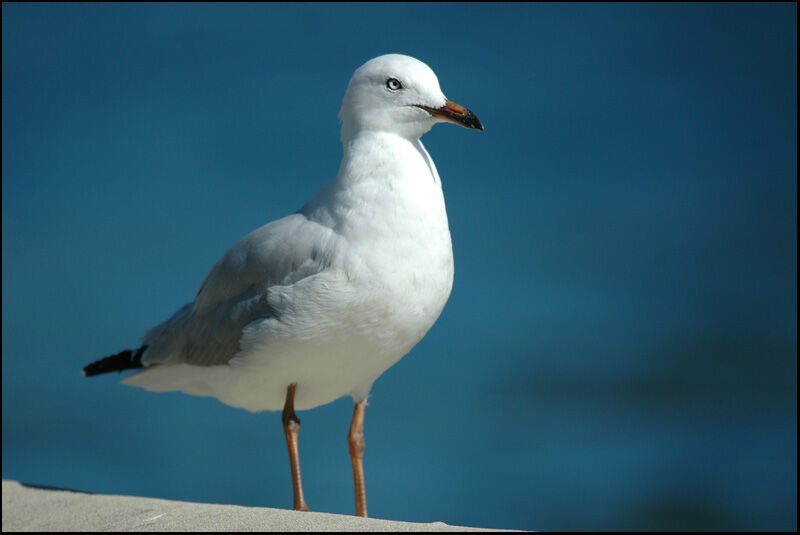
(620,348)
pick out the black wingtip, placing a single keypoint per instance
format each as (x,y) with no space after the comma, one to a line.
(123,360)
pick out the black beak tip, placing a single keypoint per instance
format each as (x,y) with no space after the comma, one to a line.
(472,121)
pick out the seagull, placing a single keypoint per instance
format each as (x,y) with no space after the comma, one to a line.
(317,305)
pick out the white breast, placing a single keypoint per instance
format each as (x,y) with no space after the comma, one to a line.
(397,265)
(390,209)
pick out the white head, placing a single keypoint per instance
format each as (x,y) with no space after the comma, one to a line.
(401,95)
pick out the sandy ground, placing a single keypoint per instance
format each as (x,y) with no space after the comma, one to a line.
(31,508)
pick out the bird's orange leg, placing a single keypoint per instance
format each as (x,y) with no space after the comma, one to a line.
(291,425)
(355,440)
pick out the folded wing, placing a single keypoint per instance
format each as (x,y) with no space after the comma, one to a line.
(235,292)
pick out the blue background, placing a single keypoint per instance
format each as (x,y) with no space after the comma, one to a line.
(620,348)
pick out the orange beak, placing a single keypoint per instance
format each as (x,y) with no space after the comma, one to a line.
(455,113)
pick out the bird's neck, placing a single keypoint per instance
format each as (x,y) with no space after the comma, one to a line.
(388,157)
(382,177)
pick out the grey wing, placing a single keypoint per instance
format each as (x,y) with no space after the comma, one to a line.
(235,292)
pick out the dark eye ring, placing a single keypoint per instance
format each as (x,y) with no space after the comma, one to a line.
(394,84)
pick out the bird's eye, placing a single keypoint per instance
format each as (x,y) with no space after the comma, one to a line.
(394,84)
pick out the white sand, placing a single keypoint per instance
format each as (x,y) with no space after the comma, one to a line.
(29,508)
